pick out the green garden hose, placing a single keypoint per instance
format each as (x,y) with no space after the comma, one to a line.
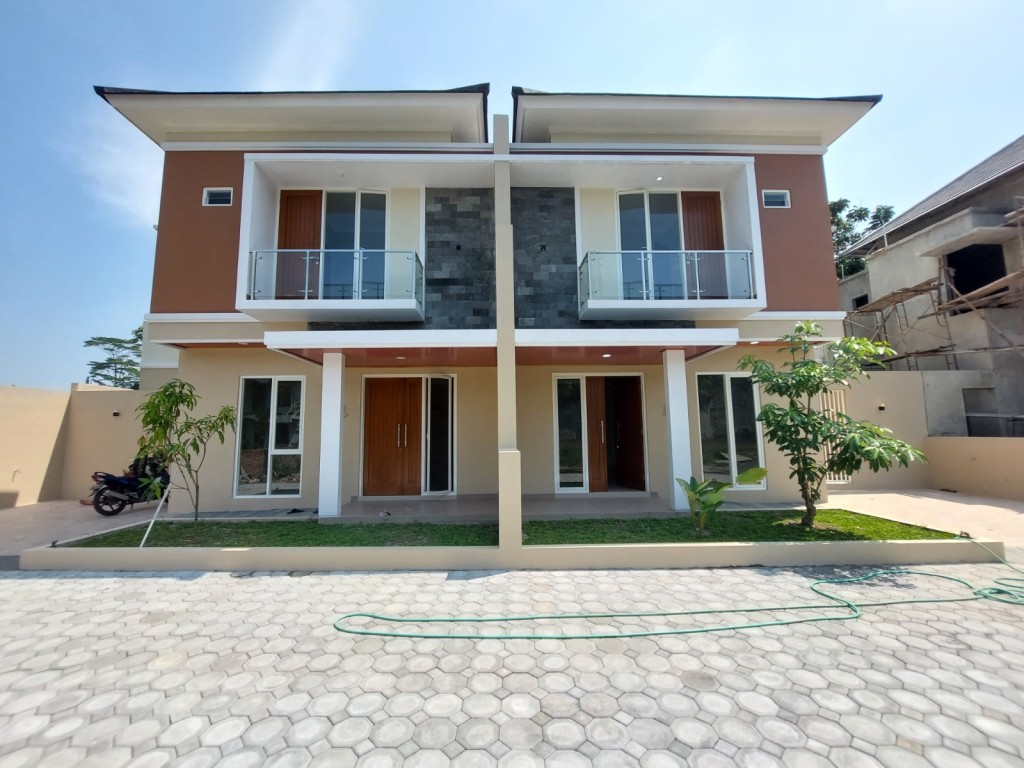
(1005,590)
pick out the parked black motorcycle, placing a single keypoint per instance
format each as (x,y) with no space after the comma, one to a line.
(145,480)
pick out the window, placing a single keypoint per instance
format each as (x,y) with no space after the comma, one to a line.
(860,301)
(775,198)
(354,221)
(269,437)
(217,196)
(649,221)
(730,437)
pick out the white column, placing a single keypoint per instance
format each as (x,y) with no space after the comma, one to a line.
(332,414)
(677,415)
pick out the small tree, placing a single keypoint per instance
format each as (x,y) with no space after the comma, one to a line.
(817,442)
(120,368)
(171,432)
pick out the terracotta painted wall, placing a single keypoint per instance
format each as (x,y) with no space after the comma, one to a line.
(797,241)
(197,246)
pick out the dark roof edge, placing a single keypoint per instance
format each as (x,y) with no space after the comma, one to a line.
(104,91)
(518,91)
(875,234)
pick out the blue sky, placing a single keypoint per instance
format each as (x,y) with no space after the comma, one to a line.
(81,186)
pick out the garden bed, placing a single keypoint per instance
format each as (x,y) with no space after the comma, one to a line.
(746,526)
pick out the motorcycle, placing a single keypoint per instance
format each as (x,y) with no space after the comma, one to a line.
(145,480)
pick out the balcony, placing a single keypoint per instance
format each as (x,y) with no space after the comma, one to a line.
(669,285)
(357,285)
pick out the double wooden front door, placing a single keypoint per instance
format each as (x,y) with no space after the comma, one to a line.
(392,424)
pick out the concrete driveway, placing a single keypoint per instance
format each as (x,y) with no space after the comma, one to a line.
(197,670)
(37,525)
(980,516)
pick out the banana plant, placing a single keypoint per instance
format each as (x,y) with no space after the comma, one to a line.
(707,496)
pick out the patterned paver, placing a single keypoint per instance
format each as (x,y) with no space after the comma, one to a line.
(244,669)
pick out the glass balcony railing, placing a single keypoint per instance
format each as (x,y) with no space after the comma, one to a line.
(335,275)
(667,276)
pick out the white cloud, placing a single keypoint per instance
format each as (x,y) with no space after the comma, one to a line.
(122,167)
(310,47)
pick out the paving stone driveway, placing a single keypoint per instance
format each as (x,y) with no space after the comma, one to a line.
(213,669)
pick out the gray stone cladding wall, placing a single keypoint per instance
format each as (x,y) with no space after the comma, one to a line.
(544,239)
(458,264)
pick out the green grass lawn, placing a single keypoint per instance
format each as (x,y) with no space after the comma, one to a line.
(832,525)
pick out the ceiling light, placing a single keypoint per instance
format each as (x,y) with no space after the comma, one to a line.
(606,354)
(754,342)
(400,357)
(659,178)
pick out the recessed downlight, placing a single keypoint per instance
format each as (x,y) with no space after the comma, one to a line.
(607,354)
(659,178)
(400,357)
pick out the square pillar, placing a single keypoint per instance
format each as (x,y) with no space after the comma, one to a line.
(677,415)
(332,416)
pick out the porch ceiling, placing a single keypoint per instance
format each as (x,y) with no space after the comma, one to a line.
(405,357)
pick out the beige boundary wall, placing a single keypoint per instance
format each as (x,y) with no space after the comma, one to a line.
(983,466)
(539,557)
(33,433)
(51,442)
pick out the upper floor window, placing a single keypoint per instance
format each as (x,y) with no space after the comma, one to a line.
(354,221)
(649,221)
(217,196)
(775,198)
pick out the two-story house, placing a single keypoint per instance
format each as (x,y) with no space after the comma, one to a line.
(402,305)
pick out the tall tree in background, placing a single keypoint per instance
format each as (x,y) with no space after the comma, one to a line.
(120,367)
(849,224)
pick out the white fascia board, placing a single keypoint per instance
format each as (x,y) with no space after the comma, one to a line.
(626,337)
(380,339)
(236,341)
(790,315)
(641,147)
(570,159)
(198,317)
(337,146)
(326,157)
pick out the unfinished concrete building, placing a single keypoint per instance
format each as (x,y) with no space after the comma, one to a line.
(945,287)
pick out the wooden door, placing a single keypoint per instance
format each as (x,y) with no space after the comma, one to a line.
(629,419)
(702,231)
(597,431)
(299,226)
(392,418)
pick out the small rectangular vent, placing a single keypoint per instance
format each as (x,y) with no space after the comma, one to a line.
(217,196)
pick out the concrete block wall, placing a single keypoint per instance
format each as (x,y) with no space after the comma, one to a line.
(546,274)
(458,264)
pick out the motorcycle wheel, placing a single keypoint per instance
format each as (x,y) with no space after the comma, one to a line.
(106,504)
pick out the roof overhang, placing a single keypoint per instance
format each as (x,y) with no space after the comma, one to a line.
(165,117)
(690,119)
(972,226)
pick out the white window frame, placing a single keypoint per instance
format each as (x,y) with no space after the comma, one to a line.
(783,192)
(206,197)
(357,267)
(271,450)
(731,430)
(647,213)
